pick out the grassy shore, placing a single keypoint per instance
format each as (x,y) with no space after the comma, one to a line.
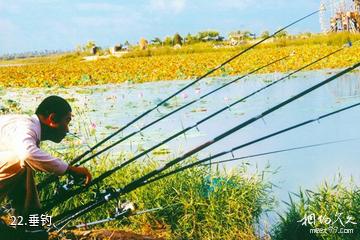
(332,209)
(166,63)
(196,204)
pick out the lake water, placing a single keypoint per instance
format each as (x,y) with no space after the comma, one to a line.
(105,108)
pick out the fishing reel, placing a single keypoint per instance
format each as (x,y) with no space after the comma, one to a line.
(124,209)
(6,209)
(100,194)
(69,184)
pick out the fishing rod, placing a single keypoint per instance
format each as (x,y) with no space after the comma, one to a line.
(81,210)
(280,151)
(199,162)
(145,179)
(211,92)
(72,181)
(65,195)
(180,108)
(76,159)
(124,211)
(118,216)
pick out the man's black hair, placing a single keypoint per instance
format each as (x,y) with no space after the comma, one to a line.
(53,104)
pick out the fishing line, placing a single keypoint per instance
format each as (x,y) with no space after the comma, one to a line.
(281,151)
(177,110)
(258,140)
(147,178)
(50,203)
(190,84)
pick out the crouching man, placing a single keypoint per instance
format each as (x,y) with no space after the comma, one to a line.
(20,156)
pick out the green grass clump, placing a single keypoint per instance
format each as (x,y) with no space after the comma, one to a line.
(332,205)
(197,203)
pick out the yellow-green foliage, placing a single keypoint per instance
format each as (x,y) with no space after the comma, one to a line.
(326,203)
(166,63)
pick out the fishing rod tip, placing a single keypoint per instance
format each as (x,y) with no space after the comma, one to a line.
(322,8)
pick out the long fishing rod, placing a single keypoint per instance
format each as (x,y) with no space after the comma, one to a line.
(53,178)
(59,198)
(279,151)
(79,211)
(145,179)
(225,161)
(180,108)
(125,211)
(117,216)
(213,91)
(67,194)
(75,160)
(199,162)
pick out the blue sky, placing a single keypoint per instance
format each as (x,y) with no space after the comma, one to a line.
(58,24)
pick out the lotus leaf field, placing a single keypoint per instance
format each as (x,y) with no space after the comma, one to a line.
(71,70)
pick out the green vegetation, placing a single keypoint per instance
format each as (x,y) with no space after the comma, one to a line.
(335,207)
(197,203)
(202,203)
(153,62)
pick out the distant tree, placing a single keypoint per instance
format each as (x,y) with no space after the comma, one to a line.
(265,34)
(127,43)
(143,43)
(282,34)
(240,35)
(157,41)
(247,35)
(89,45)
(168,41)
(177,39)
(207,34)
(189,39)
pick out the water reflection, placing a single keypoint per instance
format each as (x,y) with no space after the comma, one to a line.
(346,87)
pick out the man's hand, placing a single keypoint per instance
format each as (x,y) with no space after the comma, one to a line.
(80,172)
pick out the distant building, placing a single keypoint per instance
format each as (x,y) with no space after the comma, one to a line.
(345,17)
(177,46)
(217,38)
(236,38)
(116,48)
(94,50)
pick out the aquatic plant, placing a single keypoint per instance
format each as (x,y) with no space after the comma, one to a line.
(332,212)
(193,61)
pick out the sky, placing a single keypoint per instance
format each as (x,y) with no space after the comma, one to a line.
(62,25)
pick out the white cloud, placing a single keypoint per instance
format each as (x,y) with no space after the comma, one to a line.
(170,6)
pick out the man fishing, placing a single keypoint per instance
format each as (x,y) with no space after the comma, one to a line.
(20,156)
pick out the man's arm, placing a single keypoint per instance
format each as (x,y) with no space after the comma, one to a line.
(37,159)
